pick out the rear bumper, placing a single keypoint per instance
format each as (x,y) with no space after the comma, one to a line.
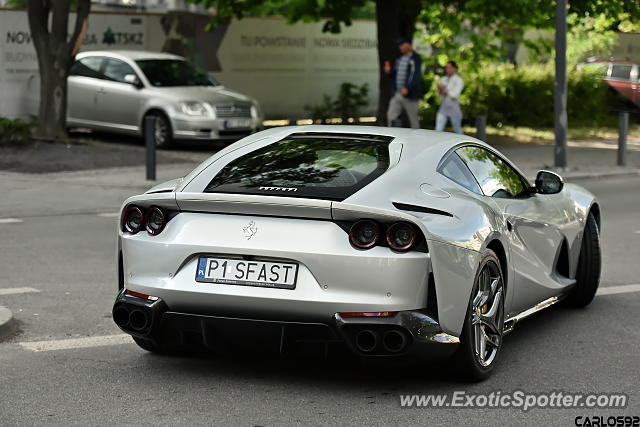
(411,333)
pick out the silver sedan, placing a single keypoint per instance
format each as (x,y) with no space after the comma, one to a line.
(116,90)
(386,241)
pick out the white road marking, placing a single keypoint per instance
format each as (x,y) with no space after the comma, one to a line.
(73,343)
(109,214)
(623,289)
(10,291)
(10,220)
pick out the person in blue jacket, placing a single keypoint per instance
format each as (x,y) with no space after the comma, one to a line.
(406,84)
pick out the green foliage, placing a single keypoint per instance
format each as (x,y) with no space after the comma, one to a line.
(523,96)
(17,4)
(472,31)
(14,131)
(335,12)
(351,98)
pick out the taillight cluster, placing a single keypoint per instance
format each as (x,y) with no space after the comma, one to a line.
(134,219)
(400,236)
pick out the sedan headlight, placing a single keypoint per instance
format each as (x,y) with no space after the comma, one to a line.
(255,111)
(196,108)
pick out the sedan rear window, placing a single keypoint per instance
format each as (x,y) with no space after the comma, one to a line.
(303,165)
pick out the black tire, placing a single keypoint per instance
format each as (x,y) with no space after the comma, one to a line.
(589,267)
(466,358)
(164,132)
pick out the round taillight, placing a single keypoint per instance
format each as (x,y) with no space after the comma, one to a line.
(401,236)
(155,221)
(133,220)
(364,234)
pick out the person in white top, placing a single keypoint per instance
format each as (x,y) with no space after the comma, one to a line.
(450,87)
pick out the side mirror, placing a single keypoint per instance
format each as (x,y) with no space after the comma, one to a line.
(132,79)
(548,183)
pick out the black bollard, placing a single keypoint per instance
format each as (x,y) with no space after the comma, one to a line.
(150,142)
(623,130)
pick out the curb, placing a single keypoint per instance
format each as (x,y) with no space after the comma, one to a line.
(7,323)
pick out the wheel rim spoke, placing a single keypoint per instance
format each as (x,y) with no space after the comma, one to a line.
(490,317)
(486,314)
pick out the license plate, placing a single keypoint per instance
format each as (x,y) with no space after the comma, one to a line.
(237,123)
(229,271)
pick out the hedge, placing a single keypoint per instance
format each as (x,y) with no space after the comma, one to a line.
(523,96)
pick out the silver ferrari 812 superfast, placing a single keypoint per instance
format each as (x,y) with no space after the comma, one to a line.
(387,242)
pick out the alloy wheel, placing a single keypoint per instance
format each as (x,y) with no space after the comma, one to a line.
(487,314)
(161,131)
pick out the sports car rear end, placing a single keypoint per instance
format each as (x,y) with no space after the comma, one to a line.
(259,247)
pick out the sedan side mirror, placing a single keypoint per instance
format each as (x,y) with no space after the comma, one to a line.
(132,79)
(548,182)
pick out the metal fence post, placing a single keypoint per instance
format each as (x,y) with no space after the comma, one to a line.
(560,86)
(150,142)
(481,127)
(623,130)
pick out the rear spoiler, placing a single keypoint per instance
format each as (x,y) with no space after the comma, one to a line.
(245,204)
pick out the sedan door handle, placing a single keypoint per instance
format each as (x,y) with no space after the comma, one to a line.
(101,90)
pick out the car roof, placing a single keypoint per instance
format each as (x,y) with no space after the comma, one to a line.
(418,138)
(133,55)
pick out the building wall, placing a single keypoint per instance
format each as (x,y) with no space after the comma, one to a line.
(284,66)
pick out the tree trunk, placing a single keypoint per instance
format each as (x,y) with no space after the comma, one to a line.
(55,50)
(395,19)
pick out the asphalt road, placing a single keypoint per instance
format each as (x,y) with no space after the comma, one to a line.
(65,255)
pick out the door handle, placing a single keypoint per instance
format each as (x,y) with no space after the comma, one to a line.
(101,90)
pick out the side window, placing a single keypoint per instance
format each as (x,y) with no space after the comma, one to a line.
(495,176)
(116,70)
(455,169)
(87,67)
(621,71)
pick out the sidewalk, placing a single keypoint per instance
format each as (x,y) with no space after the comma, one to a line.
(104,190)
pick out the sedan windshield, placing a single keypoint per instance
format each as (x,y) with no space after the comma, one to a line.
(173,72)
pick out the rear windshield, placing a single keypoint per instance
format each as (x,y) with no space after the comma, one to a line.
(317,167)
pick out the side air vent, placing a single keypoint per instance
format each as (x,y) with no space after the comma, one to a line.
(562,264)
(415,208)
(432,298)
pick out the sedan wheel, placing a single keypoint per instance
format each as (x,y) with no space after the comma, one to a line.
(162,133)
(481,338)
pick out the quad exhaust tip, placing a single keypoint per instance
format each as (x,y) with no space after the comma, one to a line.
(394,341)
(366,340)
(391,341)
(136,319)
(121,316)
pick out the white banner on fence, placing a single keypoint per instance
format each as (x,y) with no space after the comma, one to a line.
(284,66)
